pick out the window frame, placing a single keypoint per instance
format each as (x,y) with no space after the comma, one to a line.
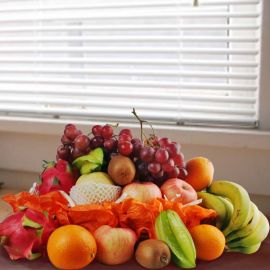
(264,80)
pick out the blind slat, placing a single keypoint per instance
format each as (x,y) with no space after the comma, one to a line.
(129,83)
(126,4)
(126,38)
(123,114)
(146,106)
(119,49)
(118,94)
(134,15)
(142,72)
(141,27)
(128,60)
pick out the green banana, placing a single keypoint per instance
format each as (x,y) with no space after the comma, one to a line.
(211,201)
(259,233)
(246,250)
(249,228)
(229,210)
(170,229)
(240,200)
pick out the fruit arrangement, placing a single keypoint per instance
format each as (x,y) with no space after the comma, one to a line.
(109,197)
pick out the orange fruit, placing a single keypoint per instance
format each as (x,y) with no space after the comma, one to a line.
(200,173)
(71,247)
(209,241)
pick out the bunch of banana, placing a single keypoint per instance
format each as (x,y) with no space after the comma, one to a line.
(242,223)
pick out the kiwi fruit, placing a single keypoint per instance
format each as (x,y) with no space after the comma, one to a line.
(153,254)
(122,170)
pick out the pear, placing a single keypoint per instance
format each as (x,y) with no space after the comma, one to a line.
(95,177)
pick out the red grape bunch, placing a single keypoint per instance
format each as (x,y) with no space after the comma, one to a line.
(161,161)
(76,144)
(156,159)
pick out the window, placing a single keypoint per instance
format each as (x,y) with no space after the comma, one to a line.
(175,63)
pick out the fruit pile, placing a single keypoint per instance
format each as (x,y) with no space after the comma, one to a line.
(108,192)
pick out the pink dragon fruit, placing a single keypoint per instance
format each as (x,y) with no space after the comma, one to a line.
(25,234)
(59,176)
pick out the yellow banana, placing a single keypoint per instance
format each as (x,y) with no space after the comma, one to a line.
(211,201)
(255,237)
(249,228)
(229,210)
(240,200)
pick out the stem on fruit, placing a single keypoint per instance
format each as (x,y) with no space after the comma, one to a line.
(3,240)
(164,259)
(114,125)
(141,125)
(153,131)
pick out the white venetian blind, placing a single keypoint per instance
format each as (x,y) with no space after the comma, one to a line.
(175,63)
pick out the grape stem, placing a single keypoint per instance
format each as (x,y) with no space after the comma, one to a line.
(141,125)
(141,122)
(114,125)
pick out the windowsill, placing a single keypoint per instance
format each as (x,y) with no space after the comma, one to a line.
(207,136)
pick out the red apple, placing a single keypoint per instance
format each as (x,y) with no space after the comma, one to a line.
(114,245)
(143,192)
(177,189)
